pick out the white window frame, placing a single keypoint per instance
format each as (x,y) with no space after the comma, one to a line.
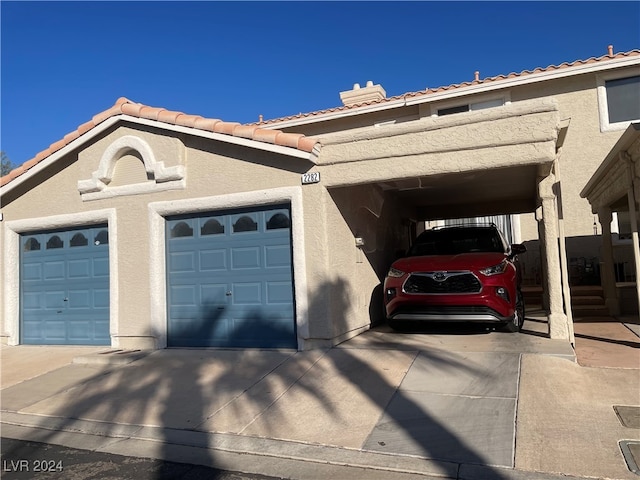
(603,106)
(505,97)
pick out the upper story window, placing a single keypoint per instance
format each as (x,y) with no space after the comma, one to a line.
(618,101)
(623,99)
(480,103)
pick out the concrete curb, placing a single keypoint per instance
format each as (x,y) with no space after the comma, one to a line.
(231,452)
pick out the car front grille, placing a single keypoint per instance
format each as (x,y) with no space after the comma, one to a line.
(442,283)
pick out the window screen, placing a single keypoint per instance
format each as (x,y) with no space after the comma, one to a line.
(623,99)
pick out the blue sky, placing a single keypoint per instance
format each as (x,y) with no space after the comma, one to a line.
(63,62)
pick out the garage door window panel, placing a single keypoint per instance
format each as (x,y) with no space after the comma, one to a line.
(181,229)
(54,242)
(79,240)
(278,221)
(31,245)
(102,238)
(212,226)
(245,224)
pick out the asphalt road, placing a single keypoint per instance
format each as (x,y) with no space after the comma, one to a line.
(22,460)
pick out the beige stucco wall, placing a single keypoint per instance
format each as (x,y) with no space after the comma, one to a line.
(368,227)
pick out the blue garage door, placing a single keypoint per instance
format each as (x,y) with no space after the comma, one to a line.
(64,294)
(230,279)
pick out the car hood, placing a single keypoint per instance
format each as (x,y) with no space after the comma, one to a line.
(462,261)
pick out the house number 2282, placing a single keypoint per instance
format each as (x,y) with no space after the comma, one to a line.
(311,177)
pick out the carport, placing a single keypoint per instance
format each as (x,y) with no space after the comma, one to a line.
(383,179)
(615,187)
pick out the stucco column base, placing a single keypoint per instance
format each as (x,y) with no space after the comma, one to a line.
(4,339)
(558,326)
(134,342)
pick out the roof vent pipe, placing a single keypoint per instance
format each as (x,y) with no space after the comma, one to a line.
(477,74)
(610,50)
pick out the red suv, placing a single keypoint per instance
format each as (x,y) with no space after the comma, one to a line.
(462,273)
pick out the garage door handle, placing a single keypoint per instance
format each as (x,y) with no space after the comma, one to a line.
(66,299)
(228,294)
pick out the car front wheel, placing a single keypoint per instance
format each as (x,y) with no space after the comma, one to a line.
(516,323)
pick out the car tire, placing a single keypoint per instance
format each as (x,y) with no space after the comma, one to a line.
(516,323)
(395,325)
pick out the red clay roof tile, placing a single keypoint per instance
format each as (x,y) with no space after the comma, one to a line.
(206,123)
(269,136)
(127,107)
(167,116)
(429,91)
(289,139)
(244,131)
(225,127)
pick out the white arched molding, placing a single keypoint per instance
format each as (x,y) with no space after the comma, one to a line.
(163,178)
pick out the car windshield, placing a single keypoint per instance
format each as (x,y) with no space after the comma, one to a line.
(457,240)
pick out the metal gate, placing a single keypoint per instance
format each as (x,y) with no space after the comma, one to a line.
(64,294)
(230,280)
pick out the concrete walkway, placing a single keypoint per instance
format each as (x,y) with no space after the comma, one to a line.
(436,404)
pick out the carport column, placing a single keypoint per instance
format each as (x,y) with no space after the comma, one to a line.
(558,322)
(607,275)
(633,216)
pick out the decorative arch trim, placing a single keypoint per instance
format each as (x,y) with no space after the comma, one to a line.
(163,178)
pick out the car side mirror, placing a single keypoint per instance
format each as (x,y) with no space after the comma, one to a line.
(517,249)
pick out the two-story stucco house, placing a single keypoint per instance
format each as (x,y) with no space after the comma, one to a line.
(146,228)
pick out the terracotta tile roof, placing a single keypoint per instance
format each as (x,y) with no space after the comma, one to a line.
(457,86)
(127,107)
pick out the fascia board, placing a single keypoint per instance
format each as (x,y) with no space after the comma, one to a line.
(291,152)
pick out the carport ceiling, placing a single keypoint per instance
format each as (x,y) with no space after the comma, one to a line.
(469,194)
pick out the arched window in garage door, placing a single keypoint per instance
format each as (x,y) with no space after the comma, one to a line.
(230,284)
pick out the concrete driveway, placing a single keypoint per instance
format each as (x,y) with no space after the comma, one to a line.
(437,402)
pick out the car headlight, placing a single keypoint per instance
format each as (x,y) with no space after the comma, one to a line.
(495,269)
(395,273)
